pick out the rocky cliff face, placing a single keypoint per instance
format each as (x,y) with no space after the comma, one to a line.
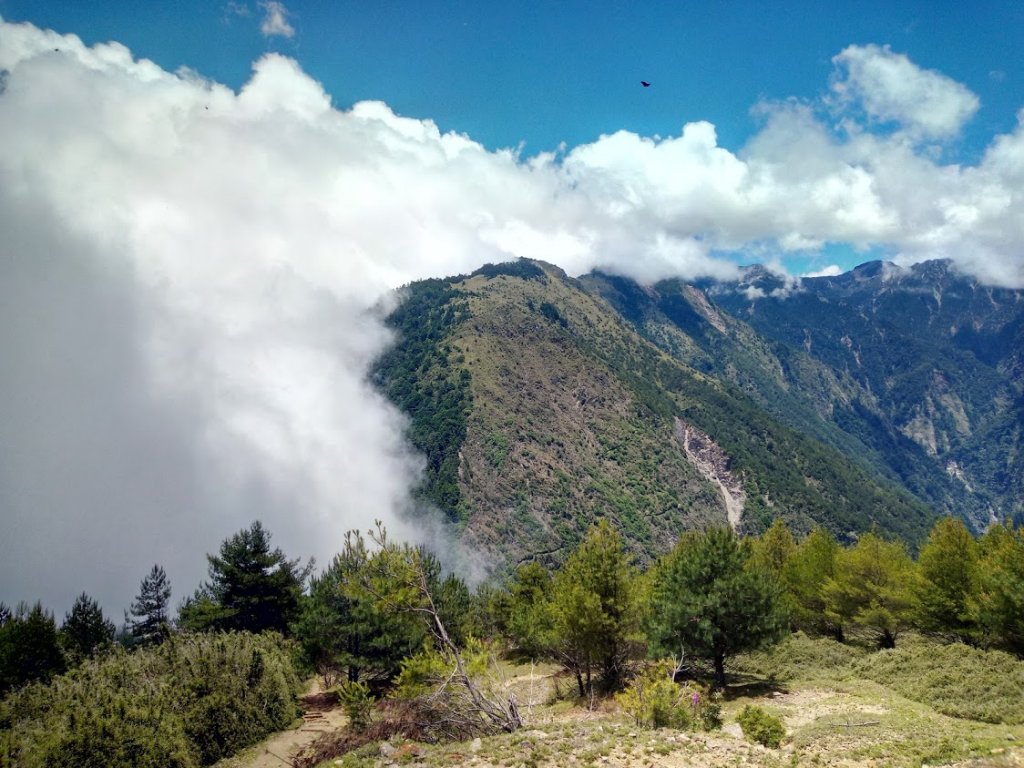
(713,464)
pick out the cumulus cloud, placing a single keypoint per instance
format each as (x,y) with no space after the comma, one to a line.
(891,88)
(275,20)
(188,277)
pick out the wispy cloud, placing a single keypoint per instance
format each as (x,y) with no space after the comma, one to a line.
(188,276)
(275,20)
(233,8)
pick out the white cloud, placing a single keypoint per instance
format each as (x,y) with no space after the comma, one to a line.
(832,270)
(187,277)
(890,87)
(275,20)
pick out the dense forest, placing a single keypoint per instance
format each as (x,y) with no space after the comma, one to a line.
(383,623)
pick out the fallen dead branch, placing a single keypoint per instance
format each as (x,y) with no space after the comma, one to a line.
(848,724)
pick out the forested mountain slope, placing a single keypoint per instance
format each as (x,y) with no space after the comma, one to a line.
(544,403)
(931,371)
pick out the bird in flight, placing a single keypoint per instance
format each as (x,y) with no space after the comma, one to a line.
(645,84)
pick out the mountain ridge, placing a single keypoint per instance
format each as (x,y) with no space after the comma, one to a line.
(562,400)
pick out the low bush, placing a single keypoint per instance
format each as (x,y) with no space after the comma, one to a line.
(186,703)
(760,727)
(800,657)
(955,679)
(655,700)
(357,702)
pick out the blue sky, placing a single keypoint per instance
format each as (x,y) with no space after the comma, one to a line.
(548,72)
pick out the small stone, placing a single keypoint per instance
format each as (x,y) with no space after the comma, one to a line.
(387,750)
(476,745)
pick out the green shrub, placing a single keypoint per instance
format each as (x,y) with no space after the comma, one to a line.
(420,674)
(800,657)
(655,700)
(706,706)
(186,703)
(760,727)
(357,702)
(955,679)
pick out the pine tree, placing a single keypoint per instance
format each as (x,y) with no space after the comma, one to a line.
(150,617)
(595,621)
(342,627)
(946,590)
(1001,598)
(29,647)
(251,586)
(804,576)
(85,630)
(529,615)
(708,603)
(871,588)
(773,548)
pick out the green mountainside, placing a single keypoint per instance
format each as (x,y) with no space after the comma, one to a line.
(931,374)
(544,403)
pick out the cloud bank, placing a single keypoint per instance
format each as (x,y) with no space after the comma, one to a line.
(188,276)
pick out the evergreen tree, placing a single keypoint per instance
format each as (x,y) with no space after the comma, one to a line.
(252,587)
(29,647)
(344,627)
(150,617)
(773,548)
(946,590)
(870,588)
(1001,588)
(804,576)
(709,603)
(456,607)
(529,611)
(85,630)
(593,609)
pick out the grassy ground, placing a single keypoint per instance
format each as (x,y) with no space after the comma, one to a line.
(835,709)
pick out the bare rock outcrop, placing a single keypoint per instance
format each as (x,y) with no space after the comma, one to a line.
(713,463)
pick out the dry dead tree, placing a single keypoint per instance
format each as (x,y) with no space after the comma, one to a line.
(465,700)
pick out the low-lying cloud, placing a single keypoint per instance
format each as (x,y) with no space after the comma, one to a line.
(188,276)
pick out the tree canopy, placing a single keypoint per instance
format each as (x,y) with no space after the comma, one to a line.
(85,630)
(708,603)
(870,588)
(150,615)
(252,587)
(593,608)
(29,647)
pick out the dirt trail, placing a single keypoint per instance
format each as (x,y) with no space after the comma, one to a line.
(320,713)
